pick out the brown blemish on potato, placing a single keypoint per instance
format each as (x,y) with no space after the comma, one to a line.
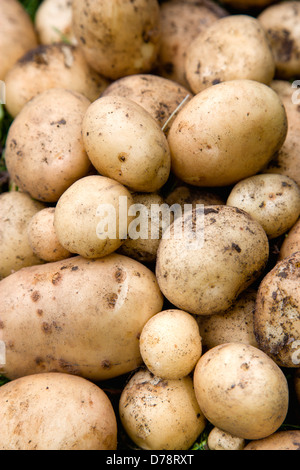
(111,300)
(47,329)
(40,312)
(106,364)
(120,275)
(35,296)
(1,325)
(56,279)
(68,367)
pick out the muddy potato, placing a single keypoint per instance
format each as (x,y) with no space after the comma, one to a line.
(56,412)
(47,156)
(281,23)
(159,96)
(221,440)
(204,262)
(241,390)
(43,239)
(276,316)
(77,316)
(181,22)
(248,119)
(291,242)
(231,48)
(236,324)
(89,218)
(280,440)
(16,211)
(51,66)
(160,414)
(17,34)
(53,22)
(272,200)
(125,143)
(118,39)
(171,344)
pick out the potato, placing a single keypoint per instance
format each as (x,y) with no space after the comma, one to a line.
(280,440)
(131,147)
(17,34)
(281,23)
(171,344)
(234,325)
(291,243)
(43,239)
(248,119)
(241,390)
(56,412)
(181,22)
(160,414)
(53,22)
(89,219)
(272,200)
(185,195)
(220,440)
(47,156)
(120,39)
(16,211)
(51,66)
(204,267)
(276,317)
(77,316)
(231,48)
(159,96)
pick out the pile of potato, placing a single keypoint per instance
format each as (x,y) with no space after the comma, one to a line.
(180,102)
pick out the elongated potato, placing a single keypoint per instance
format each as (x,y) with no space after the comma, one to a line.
(77,316)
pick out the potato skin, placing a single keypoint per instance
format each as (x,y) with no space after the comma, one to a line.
(241,390)
(291,243)
(280,440)
(220,440)
(77,316)
(248,119)
(53,21)
(56,412)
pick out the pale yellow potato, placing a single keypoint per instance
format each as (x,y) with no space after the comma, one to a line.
(51,66)
(124,142)
(281,23)
(221,440)
(43,239)
(236,324)
(77,316)
(231,48)
(241,390)
(53,22)
(280,440)
(49,412)
(16,212)
(89,218)
(181,22)
(118,38)
(171,344)
(276,316)
(46,157)
(17,34)
(204,262)
(271,199)
(160,414)
(223,122)
(291,242)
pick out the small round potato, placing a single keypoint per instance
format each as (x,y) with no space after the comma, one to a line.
(241,390)
(17,34)
(125,143)
(231,48)
(47,156)
(280,440)
(51,66)
(291,243)
(89,217)
(53,22)
(170,344)
(223,122)
(43,239)
(205,261)
(120,38)
(271,199)
(16,212)
(281,23)
(56,412)
(221,440)
(160,414)
(277,312)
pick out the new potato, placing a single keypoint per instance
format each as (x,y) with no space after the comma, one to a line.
(280,441)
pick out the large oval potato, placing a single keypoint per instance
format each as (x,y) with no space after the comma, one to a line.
(77,316)
(280,440)
(221,123)
(56,412)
